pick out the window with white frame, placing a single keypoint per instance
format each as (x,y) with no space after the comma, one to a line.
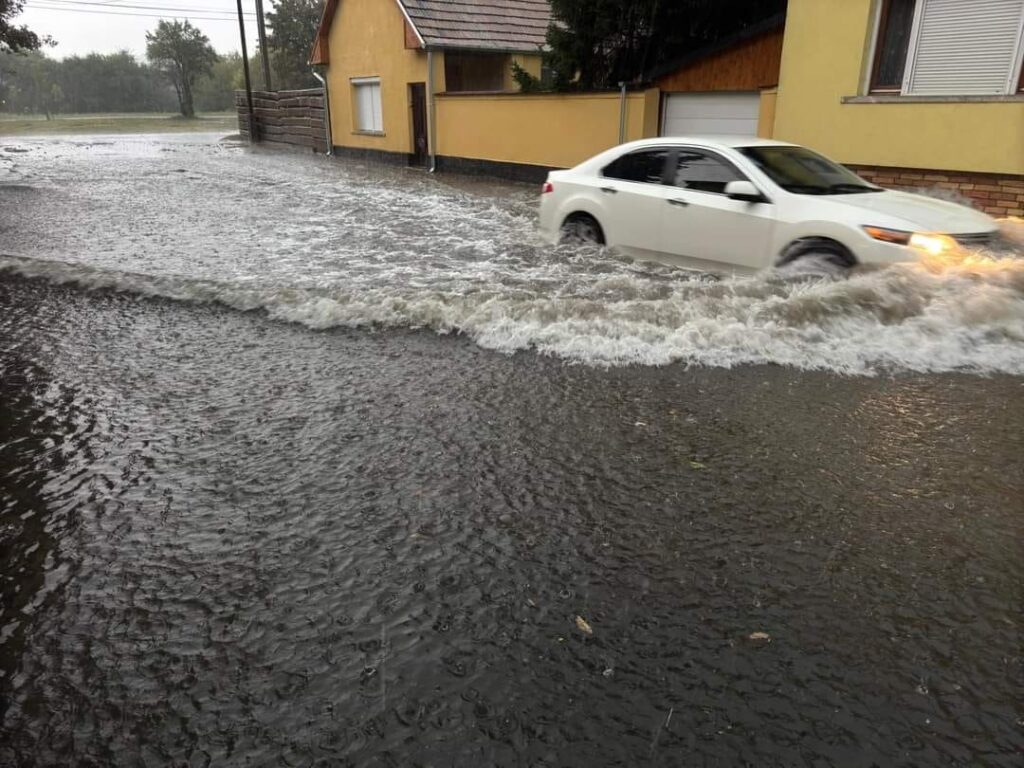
(949,47)
(366,99)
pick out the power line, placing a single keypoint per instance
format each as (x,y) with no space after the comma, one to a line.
(110,5)
(190,16)
(129,10)
(180,12)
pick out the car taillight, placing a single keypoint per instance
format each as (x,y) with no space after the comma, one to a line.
(548,187)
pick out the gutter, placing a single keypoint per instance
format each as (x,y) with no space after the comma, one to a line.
(622,113)
(327,111)
(431,122)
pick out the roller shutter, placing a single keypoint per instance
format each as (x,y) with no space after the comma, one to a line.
(965,48)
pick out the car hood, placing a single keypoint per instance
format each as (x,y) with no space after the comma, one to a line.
(921,213)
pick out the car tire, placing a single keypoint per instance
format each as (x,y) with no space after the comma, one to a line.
(817,255)
(582,228)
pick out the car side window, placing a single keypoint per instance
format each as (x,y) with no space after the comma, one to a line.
(647,166)
(704,172)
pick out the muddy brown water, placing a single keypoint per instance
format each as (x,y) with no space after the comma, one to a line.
(231,540)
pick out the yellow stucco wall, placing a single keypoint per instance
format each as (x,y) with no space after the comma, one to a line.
(367,39)
(766,113)
(531,64)
(540,129)
(824,57)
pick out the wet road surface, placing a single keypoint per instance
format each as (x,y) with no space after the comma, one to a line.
(231,540)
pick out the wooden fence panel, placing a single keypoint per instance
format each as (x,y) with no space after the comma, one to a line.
(294,118)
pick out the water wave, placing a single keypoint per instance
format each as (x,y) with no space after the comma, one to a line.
(964,314)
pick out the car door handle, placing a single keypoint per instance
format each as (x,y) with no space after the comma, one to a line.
(677,201)
(610,190)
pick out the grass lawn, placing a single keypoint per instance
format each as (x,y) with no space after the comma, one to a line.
(34,125)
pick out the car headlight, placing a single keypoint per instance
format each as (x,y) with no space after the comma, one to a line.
(933,244)
(922,241)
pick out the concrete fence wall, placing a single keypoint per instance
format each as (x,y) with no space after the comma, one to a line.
(285,117)
(548,130)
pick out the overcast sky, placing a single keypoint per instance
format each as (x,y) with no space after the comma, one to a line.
(84,26)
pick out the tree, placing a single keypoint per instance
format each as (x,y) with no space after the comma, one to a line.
(14,38)
(112,82)
(183,54)
(601,43)
(215,92)
(293,25)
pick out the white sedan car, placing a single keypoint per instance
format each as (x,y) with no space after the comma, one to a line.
(744,204)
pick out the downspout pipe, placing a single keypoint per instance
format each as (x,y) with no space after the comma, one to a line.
(327,111)
(431,123)
(622,113)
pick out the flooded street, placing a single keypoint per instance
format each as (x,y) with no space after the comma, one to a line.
(312,463)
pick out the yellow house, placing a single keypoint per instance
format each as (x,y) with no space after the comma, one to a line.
(916,93)
(912,93)
(386,60)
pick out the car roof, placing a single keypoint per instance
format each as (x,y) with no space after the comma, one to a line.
(708,141)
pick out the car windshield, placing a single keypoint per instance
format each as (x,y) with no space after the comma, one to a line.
(804,172)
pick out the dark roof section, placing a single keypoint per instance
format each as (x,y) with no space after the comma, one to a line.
(494,25)
(771,24)
(321,55)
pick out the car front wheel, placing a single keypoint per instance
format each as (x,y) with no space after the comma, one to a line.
(817,256)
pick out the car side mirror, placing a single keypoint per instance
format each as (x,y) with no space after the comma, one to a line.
(745,191)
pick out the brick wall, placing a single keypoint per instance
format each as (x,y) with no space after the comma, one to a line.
(285,117)
(995,194)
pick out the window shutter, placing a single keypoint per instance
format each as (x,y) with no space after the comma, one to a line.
(364,108)
(964,47)
(369,114)
(378,118)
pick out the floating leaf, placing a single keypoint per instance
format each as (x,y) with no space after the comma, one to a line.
(582,626)
(760,637)
(696,465)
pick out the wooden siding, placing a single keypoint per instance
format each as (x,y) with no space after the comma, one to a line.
(750,66)
(321,53)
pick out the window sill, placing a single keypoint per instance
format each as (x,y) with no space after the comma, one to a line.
(895,98)
(368,133)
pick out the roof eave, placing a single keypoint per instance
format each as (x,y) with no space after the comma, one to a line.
(484,48)
(320,55)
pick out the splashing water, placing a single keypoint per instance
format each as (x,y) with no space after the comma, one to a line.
(331,245)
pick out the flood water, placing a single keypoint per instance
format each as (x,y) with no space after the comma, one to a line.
(310,463)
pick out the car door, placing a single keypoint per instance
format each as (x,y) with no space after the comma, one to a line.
(632,191)
(702,223)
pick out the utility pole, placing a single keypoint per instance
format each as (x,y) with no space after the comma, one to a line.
(264,53)
(248,82)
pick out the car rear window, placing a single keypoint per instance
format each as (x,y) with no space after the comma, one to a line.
(647,166)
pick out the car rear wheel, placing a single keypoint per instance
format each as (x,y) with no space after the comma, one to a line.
(816,256)
(582,228)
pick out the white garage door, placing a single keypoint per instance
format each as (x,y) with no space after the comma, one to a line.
(710,114)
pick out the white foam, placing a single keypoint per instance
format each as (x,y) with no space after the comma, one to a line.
(333,244)
(927,316)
